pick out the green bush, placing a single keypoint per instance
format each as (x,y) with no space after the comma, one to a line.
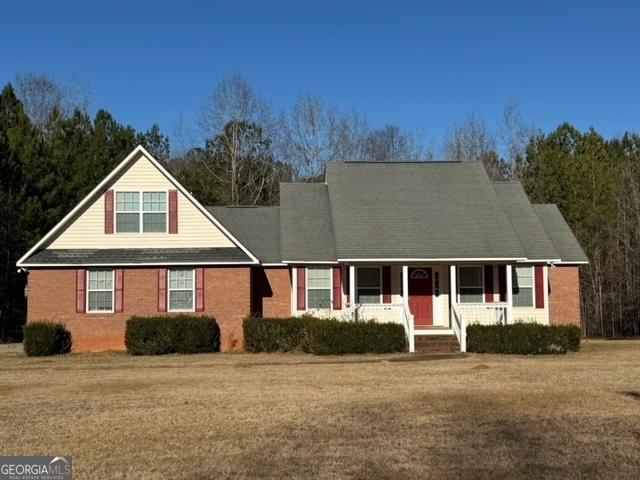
(322,337)
(523,339)
(335,337)
(274,334)
(46,338)
(172,334)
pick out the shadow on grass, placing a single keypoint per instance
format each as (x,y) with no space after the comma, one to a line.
(635,394)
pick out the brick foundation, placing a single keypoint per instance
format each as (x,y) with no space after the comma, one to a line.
(51,296)
(564,296)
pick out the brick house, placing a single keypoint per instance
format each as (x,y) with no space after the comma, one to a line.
(434,246)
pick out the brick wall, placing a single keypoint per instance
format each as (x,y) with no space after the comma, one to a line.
(51,296)
(271,291)
(564,296)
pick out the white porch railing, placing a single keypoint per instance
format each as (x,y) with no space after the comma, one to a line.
(387,312)
(459,327)
(484,313)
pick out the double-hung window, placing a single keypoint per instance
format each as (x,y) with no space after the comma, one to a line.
(523,287)
(141,212)
(181,290)
(319,287)
(470,284)
(128,212)
(369,285)
(99,291)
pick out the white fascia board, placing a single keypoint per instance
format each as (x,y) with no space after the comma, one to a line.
(105,182)
(432,260)
(542,260)
(274,264)
(572,263)
(313,262)
(120,264)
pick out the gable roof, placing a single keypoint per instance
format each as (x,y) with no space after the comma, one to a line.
(257,227)
(420,211)
(560,233)
(525,221)
(104,184)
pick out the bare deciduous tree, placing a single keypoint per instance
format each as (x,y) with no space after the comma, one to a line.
(41,95)
(315,133)
(237,126)
(469,141)
(514,133)
(391,144)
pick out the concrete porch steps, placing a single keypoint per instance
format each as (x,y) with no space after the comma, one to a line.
(437,344)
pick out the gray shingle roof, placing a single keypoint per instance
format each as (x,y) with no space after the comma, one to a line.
(306,230)
(125,256)
(257,228)
(528,227)
(560,233)
(418,210)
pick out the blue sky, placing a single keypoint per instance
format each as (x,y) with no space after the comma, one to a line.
(416,64)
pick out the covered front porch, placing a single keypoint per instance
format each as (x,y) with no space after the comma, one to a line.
(438,299)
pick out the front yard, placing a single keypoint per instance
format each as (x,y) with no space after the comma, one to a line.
(242,415)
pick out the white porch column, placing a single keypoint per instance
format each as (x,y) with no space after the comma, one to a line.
(405,287)
(453,288)
(509,294)
(405,305)
(352,287)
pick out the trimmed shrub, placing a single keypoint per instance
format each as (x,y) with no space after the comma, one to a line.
(321,336)
(172,334)
(335,337)
(46,338)
(523,339)
(274,334)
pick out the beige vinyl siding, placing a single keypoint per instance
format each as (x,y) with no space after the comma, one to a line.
(530,315)
(194,228)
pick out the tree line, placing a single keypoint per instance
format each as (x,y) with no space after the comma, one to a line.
(53,152)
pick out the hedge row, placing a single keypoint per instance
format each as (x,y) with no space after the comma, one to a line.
(322,337)
(175,334)
(46,338)
(523,338)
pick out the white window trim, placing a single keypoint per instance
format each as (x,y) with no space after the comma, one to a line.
(113,291)
(140,211)
(458,294)
(193,290)
(533,285)
(307,288)
(357,299)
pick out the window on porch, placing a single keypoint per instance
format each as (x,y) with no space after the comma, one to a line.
(369,285)
(319,288)
(523,287)
(471,284)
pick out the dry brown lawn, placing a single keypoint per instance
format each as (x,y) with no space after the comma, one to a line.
(275,416)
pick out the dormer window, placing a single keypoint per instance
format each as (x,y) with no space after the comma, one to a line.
(141,212)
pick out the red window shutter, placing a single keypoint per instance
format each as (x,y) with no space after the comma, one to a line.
(502,282)
(386,284)
(199,289)
(119,290)
(302,288)
(539,280)
(81,290)
(108,212)
(173,211)
(337,288)
(162,289)
(488,283)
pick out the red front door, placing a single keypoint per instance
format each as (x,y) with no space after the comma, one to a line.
(420,296)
